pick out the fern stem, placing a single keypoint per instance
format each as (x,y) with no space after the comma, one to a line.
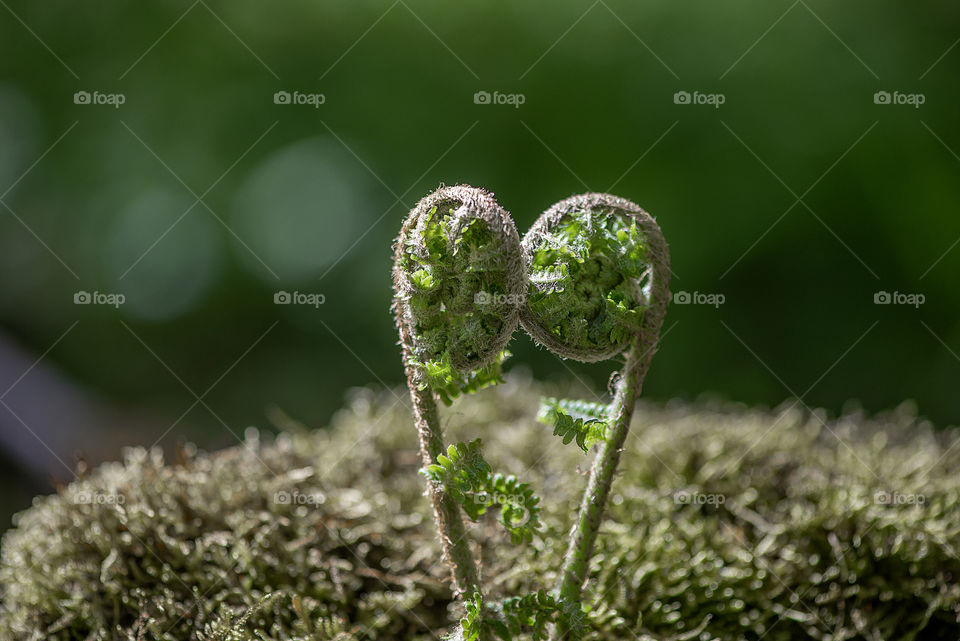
(584,532)
(446,512)
(643,345)
(451,234)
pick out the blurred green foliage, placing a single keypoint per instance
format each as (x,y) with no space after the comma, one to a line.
(307,198)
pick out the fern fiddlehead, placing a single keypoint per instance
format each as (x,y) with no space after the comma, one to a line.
(599,286)
(459,280)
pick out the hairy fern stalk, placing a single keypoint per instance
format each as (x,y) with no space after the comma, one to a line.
(458,277)
(589,282)
(599,286)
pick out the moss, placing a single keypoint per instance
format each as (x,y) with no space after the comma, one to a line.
(726,523)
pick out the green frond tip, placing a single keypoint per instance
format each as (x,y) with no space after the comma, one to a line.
(528,615)
(478,618)
(448,382)
(590,276)
(470,480)
(464,474)
(532,614)
(575,420)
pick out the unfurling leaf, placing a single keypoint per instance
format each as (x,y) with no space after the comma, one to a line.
(575,420)
(470,480)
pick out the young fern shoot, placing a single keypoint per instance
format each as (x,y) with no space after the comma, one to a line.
(459,279)
(599,286)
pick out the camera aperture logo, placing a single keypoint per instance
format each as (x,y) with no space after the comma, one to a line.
(897,98)
(698,98)
(497,98)
(299,98)
(99,498)
(299,298)
(98,298)
(899,298)
(98,98)
(299,498)
(882,497)
(519,512)
(684,497)
(699,298)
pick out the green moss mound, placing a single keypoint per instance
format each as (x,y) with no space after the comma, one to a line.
(726,523)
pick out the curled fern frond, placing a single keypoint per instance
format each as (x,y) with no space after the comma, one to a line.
(611,297)
(469,479)
(593,262)
(575,420)
(519,507)
(459,282)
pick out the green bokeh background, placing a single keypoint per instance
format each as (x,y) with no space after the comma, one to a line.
(308,198)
